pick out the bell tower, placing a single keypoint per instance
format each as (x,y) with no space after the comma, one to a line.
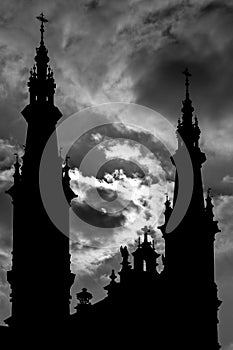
(40,278)
(189,270)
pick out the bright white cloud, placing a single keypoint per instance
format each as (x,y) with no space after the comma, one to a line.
(141,203)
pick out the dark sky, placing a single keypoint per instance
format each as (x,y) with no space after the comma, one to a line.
(127,51)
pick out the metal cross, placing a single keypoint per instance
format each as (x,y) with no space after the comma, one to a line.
(43,20)
(187,75)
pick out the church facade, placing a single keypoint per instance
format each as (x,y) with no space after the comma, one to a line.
(177,304)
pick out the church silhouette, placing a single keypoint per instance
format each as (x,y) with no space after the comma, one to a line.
(175,308)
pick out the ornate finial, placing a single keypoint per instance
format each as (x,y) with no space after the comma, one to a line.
(187,75)
(147,230)
(113,276)
(43,20)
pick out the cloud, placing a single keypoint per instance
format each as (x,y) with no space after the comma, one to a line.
(224,240)
(8,149)
(228,179)
(102,51)
(5,248)
(230,347)
(131,196)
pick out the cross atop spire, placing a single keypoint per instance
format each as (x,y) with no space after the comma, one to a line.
(43,20)
(147,231)
(187,75)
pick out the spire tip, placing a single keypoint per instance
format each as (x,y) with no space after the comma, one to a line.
(187,75)
(43,20)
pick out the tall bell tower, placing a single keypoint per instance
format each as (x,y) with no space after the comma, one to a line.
(40,278)
(189,269)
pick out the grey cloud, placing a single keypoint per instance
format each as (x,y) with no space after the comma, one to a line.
(228,179)
(224,240)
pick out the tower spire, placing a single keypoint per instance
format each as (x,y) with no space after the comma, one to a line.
(43,20)
(41,116)
(188,130)
(41,82)
(187,109)
(187,75)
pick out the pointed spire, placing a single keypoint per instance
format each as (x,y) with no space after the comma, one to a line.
(41,81)
(188,131)
(43,20)
(187,75)
(187,108)
(42,58)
